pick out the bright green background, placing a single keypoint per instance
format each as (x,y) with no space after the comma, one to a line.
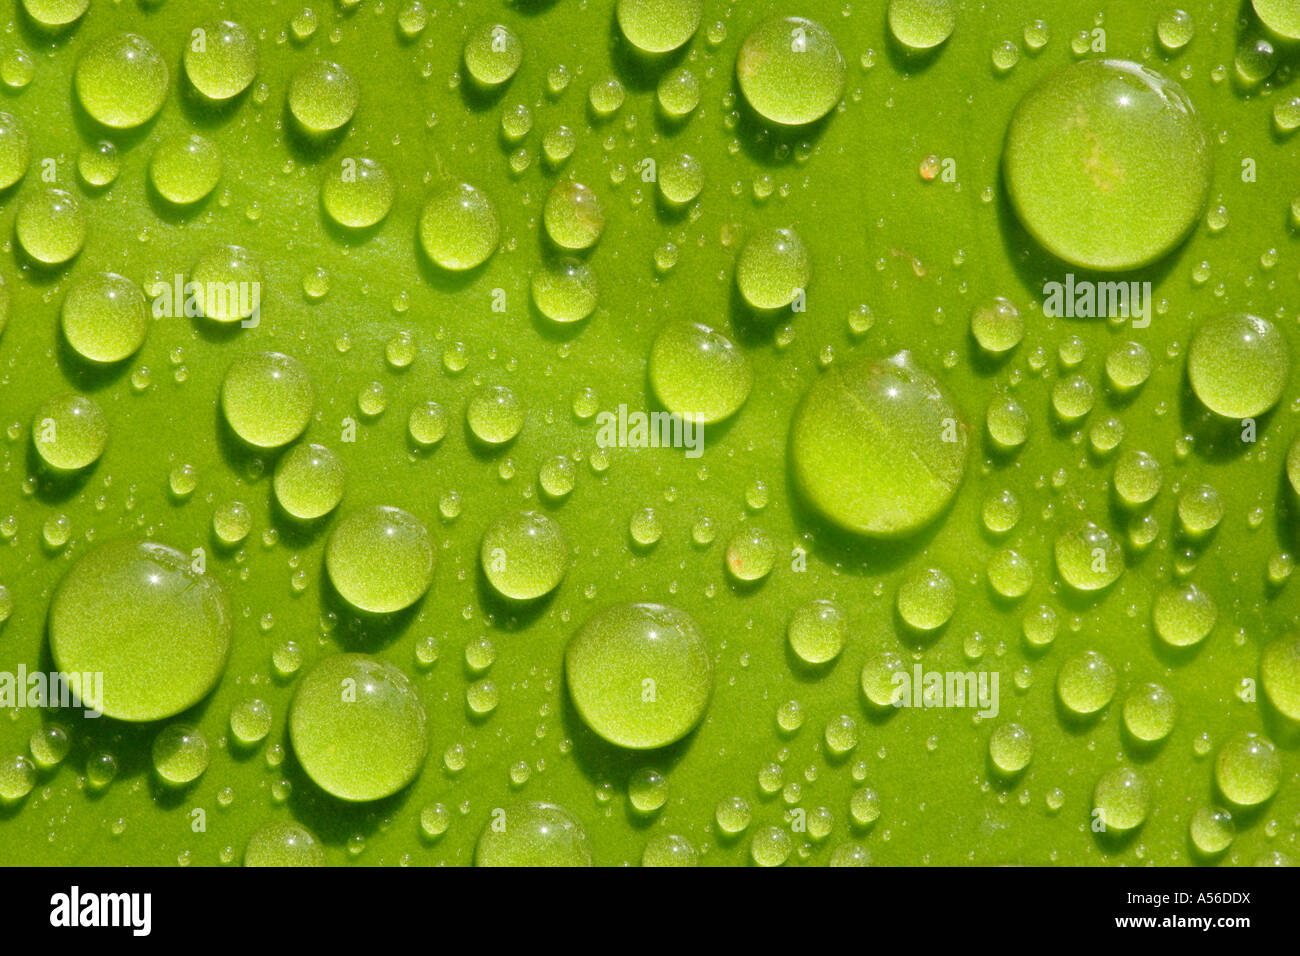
(921,255)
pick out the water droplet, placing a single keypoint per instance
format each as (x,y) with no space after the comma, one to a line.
(380,559)
(110,614)
(773,269)
(121,80)
(1088,558)
(533,835)
(1107,164)
(790,71)
(492,54)
(180,755)
(1149,712)
(69,432)
(640,674)
(459,228)
(1248,769)
(564,290)
(185,168)
(224,65)
(1121,800)
(267,399)
(309,481)
(1238,365)
(358,193)
(817,631)
(524,555)
(698,373)
(282,844)
(1086,683)
(50,226)
(494,415)
(323,97)
(358,727)
(878,447)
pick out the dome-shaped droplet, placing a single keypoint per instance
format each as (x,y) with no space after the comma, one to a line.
(121,80)
(1086,683)
(50,226)
(1248,769)
(267,399)
(185,168)
(1279,671)
(751,554)
(1280,16)
(323,97)
(105,318)
(922,24)
(459,228)
(681,179)
(1212,830)
(492,54)
(640,675)
(220,60)
(564,290)
(698,373)
(17,778)
(926,599)
(229,284)
(524,555)
(773,269)
(878,447)
(1149,712)
(659,26)
(1088,558)
(495,415)
(790,71)
(138,614)
(309,481)
(380,559)
(15,150)
(55,14)
(358,727)
(532,835)
(669,849)
(1238,365)
(180,755)
(817,631)
(997,325)
(358,193)
(647,790)
(427,424)
(1107,164)
(878,683)
(283,844)
(573,215)
(250,721)
(1183,614)
(99,165)
(1010,748)
(1120,800)
(69,432)
(678,93)
(1136,478)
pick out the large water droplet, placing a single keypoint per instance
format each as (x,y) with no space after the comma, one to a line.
(267,398)
(878,447)
(139,615)
(639,674)
(791,71)
(380,559)
(1107,164)
(358,727)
